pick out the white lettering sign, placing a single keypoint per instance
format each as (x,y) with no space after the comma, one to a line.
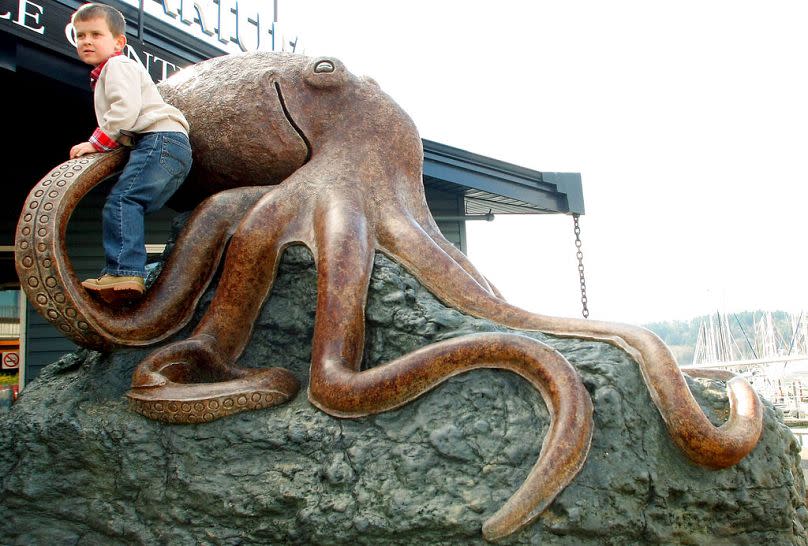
(226,27)
(203,13)
(170,7)
(284,41)
(229,25)
(27,16)
(248,27)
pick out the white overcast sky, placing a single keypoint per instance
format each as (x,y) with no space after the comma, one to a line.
(687,120)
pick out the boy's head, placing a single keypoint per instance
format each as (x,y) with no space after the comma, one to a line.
(100,32)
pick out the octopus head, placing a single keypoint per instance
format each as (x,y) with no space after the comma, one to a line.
(240,130)
(330,106)
(256,118)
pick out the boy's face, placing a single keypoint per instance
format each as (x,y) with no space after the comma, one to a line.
(95,42)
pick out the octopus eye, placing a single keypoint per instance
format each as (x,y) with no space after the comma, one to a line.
(326,73)
(324,67)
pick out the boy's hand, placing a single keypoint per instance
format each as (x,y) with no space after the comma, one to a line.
(80,149)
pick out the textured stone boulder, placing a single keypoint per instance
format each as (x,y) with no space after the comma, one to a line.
(79,468)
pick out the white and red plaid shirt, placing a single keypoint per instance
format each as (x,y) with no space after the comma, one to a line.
(126,103)
(99,139)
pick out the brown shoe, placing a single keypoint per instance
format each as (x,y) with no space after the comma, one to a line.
(114,289)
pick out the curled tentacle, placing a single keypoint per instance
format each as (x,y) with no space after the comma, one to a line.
(703,443)
(45,273)
(187,382)
(198,373)
(342,392)
(48,277)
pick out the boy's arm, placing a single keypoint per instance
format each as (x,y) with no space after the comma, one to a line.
(81,149)
(123,95)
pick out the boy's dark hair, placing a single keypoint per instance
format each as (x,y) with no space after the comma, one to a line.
(114,18)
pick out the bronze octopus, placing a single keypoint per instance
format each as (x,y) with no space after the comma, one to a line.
(287,150)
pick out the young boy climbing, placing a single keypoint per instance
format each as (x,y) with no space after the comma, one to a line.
(130,112)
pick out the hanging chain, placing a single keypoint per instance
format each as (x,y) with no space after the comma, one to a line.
(580,256)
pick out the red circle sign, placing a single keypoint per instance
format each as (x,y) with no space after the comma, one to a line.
(11,360)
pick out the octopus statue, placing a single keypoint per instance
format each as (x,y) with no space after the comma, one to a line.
(289,150)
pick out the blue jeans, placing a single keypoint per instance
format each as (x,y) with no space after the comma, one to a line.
(158,164)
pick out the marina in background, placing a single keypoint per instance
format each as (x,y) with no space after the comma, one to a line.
(773,357)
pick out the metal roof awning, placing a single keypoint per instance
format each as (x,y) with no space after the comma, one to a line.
(503,188)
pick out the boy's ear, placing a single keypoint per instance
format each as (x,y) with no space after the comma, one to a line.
(120,42)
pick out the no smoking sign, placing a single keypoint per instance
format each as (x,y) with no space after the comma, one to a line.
(11,360)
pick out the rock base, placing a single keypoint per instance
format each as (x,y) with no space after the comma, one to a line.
(79,467)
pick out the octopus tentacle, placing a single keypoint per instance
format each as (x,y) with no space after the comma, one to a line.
(434,233)
(495,290)
(398,229)
(709,373)
(703,443)
(345,253)
(338,387)
(50,281)
(45,273)
(250,268)
(187,382)
(198,371)
(342,392)
(188,270)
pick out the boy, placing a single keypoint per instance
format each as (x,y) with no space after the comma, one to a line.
(130,112)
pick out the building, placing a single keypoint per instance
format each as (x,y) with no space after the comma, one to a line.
(46,107)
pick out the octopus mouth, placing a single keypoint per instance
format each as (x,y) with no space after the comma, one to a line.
(291,121)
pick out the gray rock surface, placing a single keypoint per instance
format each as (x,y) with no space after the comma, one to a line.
(79,468)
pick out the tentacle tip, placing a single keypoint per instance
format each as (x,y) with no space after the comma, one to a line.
(494,529)
(143,379)
(280,381)
(727,455)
